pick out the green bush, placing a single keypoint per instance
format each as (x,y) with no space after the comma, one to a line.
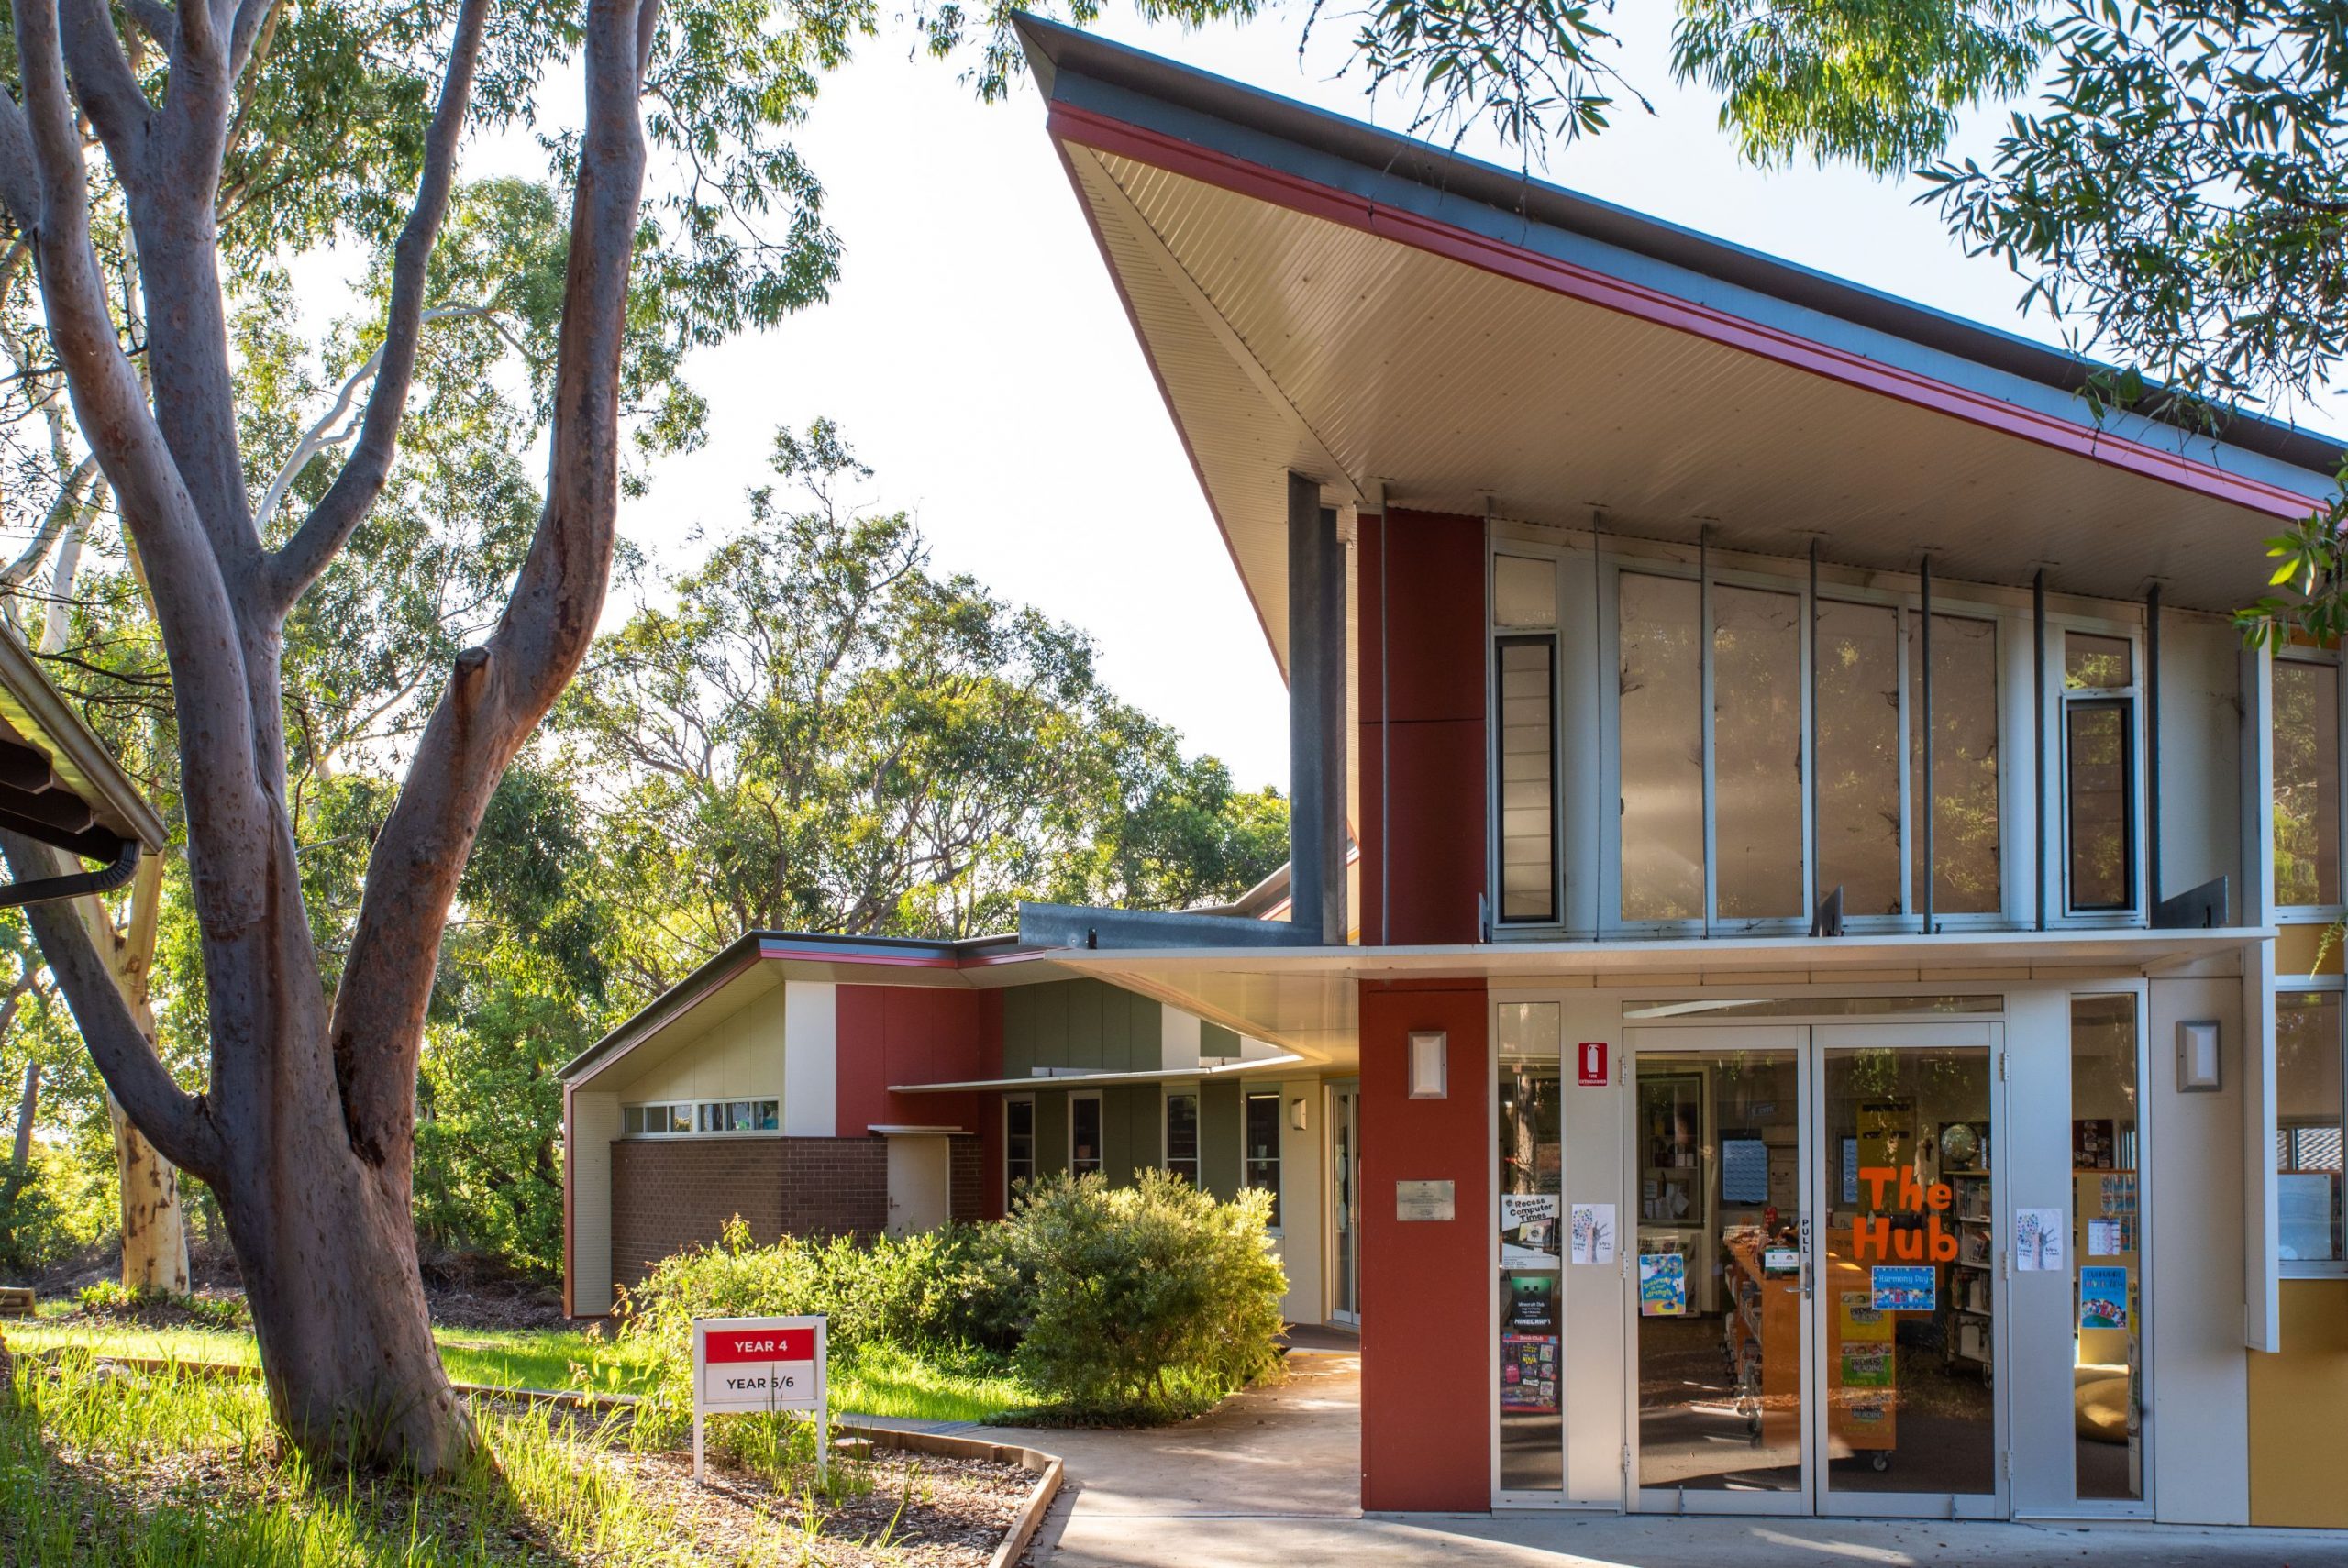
(1142,1298)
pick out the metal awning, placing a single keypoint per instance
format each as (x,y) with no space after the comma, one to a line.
(60,785)
(1251,1067)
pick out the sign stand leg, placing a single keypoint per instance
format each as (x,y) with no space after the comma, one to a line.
(824,1442)
(697,1421)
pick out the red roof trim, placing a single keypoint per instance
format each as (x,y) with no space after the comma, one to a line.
(1300,195)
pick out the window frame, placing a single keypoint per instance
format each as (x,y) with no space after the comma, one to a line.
(1009,1179)
(2296,653)
(1197,1173)
(1248,1098)
(698,1110)
(2129,701)
(1100,1123)
(1501,643)
(2328,1268)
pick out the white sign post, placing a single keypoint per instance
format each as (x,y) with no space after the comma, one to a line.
(762,1364)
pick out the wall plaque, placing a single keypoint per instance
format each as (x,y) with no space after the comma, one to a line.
(1423,1200)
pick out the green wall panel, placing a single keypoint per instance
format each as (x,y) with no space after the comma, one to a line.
(1081,1024)
(1219,1139)
(1214,1040)
(1051,1132)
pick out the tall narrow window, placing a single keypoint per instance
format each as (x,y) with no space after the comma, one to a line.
(1182,1136)
(2098,773)
(1083,1134)
(1261,1166)
(1661,738)
(1964,794)
(1756,753)
(2306,730)
(2307,1111)
(1528,708)
(1857,703)
(1018,1143)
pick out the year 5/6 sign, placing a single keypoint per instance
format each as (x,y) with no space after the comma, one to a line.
(752,1364)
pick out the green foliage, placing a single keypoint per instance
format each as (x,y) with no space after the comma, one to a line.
(64,1205)
(1134,1286)
(1876,82)
(110,1298)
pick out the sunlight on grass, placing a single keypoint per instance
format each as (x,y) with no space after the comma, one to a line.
(161,1471)
(932,1385)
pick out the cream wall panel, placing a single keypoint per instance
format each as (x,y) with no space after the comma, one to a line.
(1178,1039)
(593,1122)
(2034,1150)
(2200,755)
(740,1055)
(811,1052)
(1303,1204)
(2193,1200)
(1596,1321)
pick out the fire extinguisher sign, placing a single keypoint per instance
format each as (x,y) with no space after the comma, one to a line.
(1593,1064)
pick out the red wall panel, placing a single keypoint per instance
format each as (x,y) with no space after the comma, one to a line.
(911,1035)
(1422,684)
(1427,1322)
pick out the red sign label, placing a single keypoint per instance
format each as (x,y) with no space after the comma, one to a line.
(760,1344)
(1593,1064)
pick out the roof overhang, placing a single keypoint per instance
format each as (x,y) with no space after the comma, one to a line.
(1418,329)
(1253,1067)
(59,783)
(1304,999)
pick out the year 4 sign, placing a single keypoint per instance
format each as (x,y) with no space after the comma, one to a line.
(748,1365)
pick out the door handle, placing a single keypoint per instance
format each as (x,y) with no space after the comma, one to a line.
(1805,1257)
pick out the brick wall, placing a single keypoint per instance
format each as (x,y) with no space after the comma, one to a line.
(669,1194)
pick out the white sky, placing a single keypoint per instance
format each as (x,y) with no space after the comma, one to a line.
(976,356)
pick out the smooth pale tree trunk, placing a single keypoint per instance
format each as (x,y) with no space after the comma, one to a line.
(154,1224)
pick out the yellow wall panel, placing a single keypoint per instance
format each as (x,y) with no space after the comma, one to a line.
(2298,1412)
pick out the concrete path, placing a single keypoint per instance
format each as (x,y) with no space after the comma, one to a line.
(1268,1480)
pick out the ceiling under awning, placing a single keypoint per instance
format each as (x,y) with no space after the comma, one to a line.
(1304,999)
(58,784)
(1296,326)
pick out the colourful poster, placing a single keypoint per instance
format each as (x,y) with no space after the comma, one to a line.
(1902,1287)
(2103,1298)
(1593,1233)
(2038,1239)
(1528,1373)
(1662,1284)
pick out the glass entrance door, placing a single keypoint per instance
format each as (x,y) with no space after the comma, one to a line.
(1817,1269)
(1345,1203)
(1907,1260)
(1720,1192)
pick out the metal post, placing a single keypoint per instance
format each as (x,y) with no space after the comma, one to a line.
(1386,733)
(1704,686)
(2153,747)
(1812,887)
(2038,732)
(1931,801)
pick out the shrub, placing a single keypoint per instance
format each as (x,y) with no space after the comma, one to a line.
(1141,1292)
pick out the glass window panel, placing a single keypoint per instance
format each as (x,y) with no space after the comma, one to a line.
(2092,662)
(1809,1006)
(1756,753)
(2305,731)
(1019,1140)
(1524,592)
(1261,1167)
(1529,1127)
(1182,1136)
(1662,749)
(2106,1354)
(631,1119)
(1528,793)
(1966,869)
(769,1115)
(2307,1123)
(1084,1152)
(2099,769)
(1858,756)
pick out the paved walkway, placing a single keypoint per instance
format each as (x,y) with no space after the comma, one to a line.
(1268,1481)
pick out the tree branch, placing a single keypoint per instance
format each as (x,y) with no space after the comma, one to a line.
(499,693)
(69,501)
(103,83)
(175,1121)
(322,432)
(328,527)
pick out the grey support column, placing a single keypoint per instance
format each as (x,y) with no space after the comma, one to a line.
(1316,715)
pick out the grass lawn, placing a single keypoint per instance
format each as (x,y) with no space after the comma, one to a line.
(884,1381)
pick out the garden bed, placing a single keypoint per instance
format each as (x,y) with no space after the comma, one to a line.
(103,1466)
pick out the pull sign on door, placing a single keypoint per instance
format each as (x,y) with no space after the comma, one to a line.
(1593,1064)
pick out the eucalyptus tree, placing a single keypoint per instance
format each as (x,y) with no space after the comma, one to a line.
(305,1128)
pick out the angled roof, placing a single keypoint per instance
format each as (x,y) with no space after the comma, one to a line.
(58,781)
(1418,328)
